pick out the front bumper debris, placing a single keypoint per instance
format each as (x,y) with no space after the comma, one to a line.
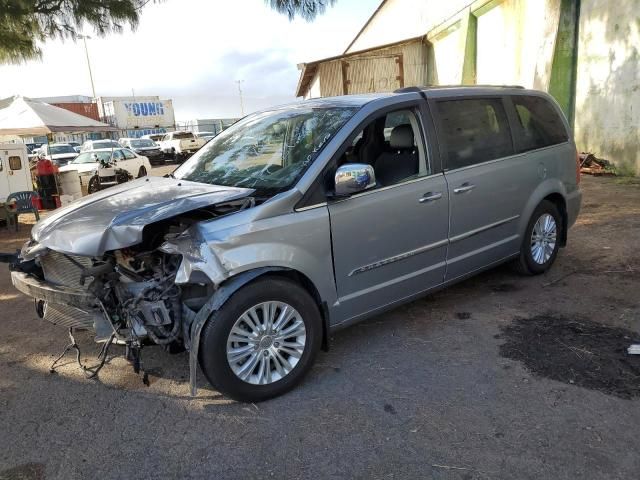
(54,294)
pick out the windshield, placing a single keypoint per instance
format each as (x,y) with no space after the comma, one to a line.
(266,151)
(92,157)
(56,149)
(142,143)
(107,144)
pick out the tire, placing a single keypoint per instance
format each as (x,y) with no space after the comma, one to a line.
(142,172)
(94,185)
(216,342)
(537,259)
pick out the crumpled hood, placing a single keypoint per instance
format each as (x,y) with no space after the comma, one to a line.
(114,218)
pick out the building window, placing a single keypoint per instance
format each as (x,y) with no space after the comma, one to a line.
(15,163)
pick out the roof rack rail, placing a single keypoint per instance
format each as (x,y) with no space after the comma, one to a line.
(422,88)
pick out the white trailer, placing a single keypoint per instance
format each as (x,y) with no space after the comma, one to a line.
(15,175)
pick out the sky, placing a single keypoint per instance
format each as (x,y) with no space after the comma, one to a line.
(193,51)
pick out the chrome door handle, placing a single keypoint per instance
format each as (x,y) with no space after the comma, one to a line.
(430,197)
(465,187)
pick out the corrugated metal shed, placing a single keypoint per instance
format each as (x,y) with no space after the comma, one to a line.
(381,69)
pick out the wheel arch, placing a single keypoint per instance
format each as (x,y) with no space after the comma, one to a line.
(233,284)
(552,190)
(560,202)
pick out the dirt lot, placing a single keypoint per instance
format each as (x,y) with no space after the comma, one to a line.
(498,377)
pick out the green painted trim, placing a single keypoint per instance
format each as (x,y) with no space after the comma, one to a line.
(480,7)
(562,82)
(444,31)
(469,76)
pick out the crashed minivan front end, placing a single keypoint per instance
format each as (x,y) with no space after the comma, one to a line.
(150,262)
(137,275)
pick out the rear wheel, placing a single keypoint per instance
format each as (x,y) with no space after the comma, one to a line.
(262,341)
(541,240)
(142,172)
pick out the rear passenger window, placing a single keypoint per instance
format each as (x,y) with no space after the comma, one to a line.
(474,130)
(539,124)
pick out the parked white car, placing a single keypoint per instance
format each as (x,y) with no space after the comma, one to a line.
(85,163)
(99,144)
(155,137)
(180,144)
(145,147)
(206,135)
(59,153)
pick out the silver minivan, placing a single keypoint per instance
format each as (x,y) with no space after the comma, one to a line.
(303,219)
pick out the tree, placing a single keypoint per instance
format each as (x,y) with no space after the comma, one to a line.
(307,9)
(23,23)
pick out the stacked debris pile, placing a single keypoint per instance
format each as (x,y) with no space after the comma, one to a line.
(592,165)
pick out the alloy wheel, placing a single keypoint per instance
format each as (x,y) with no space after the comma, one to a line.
(543,239)
(266,343)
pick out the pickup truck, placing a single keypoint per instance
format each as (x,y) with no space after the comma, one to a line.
(180,145)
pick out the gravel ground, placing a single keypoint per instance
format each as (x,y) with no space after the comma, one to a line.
(419,392)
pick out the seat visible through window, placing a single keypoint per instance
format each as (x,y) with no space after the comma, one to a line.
(401,161)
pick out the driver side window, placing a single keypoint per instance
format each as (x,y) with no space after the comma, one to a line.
(129,155)
(392,144)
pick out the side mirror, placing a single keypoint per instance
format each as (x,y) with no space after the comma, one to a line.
(354,178)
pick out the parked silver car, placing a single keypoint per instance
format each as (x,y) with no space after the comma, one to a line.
(306,218)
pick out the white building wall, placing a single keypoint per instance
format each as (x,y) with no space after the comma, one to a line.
(314,88)
(399,20)
(607,120)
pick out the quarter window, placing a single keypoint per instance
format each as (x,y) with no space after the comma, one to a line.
(539,124)
(15,163)
(474,130)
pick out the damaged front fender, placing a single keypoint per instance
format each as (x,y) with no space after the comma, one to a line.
(199,264)
(216,301)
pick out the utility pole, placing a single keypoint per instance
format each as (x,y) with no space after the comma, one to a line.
(86,51)
(239,82)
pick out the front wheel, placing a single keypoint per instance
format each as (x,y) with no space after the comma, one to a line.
(142,172)
(541,240)
(94,184)
(262,341)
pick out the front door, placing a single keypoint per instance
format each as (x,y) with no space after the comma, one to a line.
(390,243)
(131,162)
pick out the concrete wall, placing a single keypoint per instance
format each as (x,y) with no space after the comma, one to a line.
(398,20)
(314,88)
(447,45)
(607,109)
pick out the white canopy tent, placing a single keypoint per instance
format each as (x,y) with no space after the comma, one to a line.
(25,116)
